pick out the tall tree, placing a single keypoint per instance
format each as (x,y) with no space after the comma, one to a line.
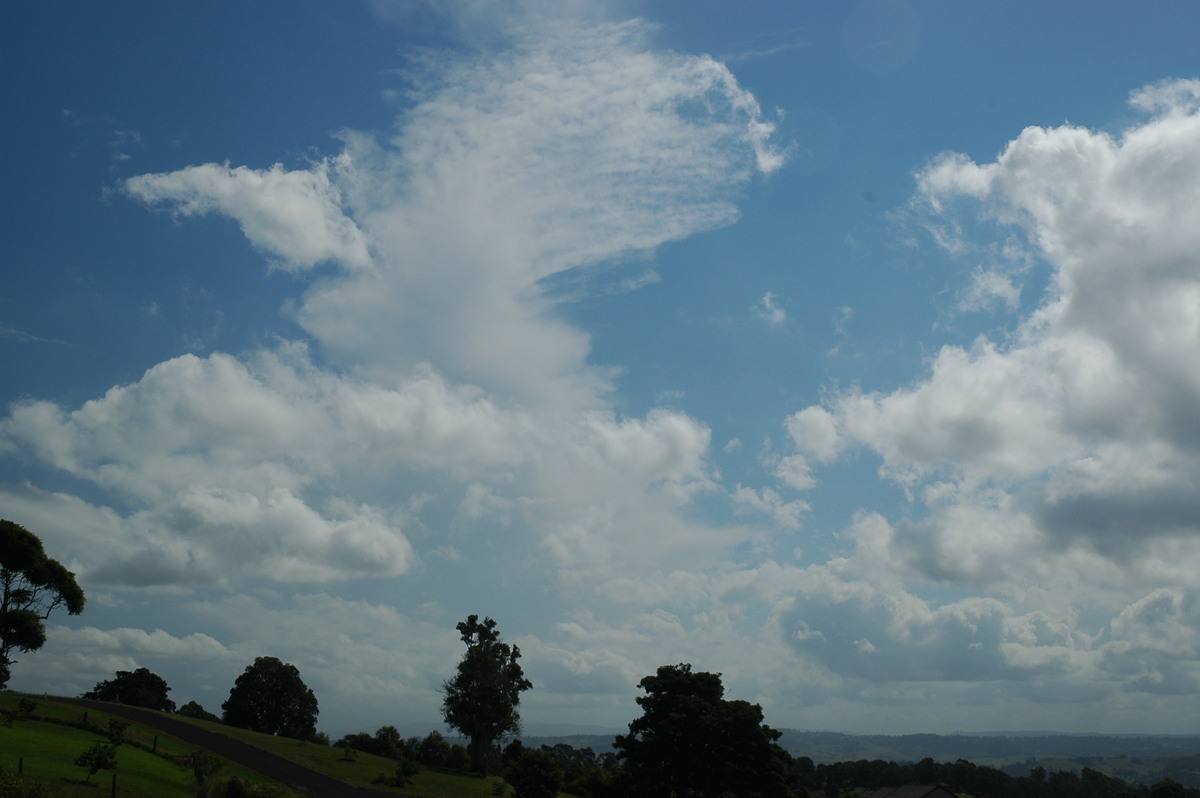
(481,700)
(140,688)
(271,697)
(691,742)
(31,587)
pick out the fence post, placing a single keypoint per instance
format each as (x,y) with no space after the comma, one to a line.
(20,765)
(114,786)
(155,749)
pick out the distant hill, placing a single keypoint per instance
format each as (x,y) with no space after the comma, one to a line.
(1135,758)
(982,749)
(997,750)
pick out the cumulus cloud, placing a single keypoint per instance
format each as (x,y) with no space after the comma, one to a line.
(570,148)
(74,660)
(294,216)
(443,363)
(785,514)
(1065,455)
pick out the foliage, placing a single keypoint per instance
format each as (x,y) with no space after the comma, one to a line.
(24,710)
(584,772)
(481,700)
(193,709)
(1167,788)
(967,777)
(236,787)
(98,757)
(385,742)
(532,773)
(432,750)
(690,741)
(203,765)
(13,786)
(140,688)
(271,697)
(116,732)
(402,776)
(31,587)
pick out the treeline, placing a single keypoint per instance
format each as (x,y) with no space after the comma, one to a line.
(977,780)
(577,771)
(836,747)
(584,772)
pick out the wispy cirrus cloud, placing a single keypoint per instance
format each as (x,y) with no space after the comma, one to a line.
(435,348)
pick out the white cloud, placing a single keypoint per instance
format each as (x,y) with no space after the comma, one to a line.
(229,469)
(815,433)
(448,416)
(448,369)
(784,514)
(987,288)
(769,311)
(1064,457)
(577,147)
(75,659)
(292,215)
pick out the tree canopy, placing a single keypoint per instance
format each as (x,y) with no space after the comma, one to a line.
(271,697)
(481,700)
(693,743)
(194,709)
(140,688)
(31,587)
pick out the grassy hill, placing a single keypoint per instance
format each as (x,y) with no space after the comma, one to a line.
(45,743)
(42,747)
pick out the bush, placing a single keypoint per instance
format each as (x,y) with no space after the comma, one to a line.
(433,751)
(533,774)
(13,786)
(403,776)
(235,787)
(98,757)
(459,758)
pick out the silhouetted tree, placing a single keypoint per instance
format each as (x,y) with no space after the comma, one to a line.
(140,688)
(433,750)
(481,700)
(388,742)
(532,773)
(31,587)
(690,741)
(1167,788)
(271,697)
(193,709)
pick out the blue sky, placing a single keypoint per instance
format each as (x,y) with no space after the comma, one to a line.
(851,350)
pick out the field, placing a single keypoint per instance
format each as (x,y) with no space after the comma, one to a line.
(44,747)
(152,763)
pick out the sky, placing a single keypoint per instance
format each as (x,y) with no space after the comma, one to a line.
(848,349)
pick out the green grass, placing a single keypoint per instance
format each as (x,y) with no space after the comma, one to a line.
(363,769)
(49,751)
(49,742)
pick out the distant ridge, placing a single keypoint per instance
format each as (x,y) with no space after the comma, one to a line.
(992,747)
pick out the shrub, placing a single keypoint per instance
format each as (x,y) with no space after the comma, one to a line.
(98,757)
